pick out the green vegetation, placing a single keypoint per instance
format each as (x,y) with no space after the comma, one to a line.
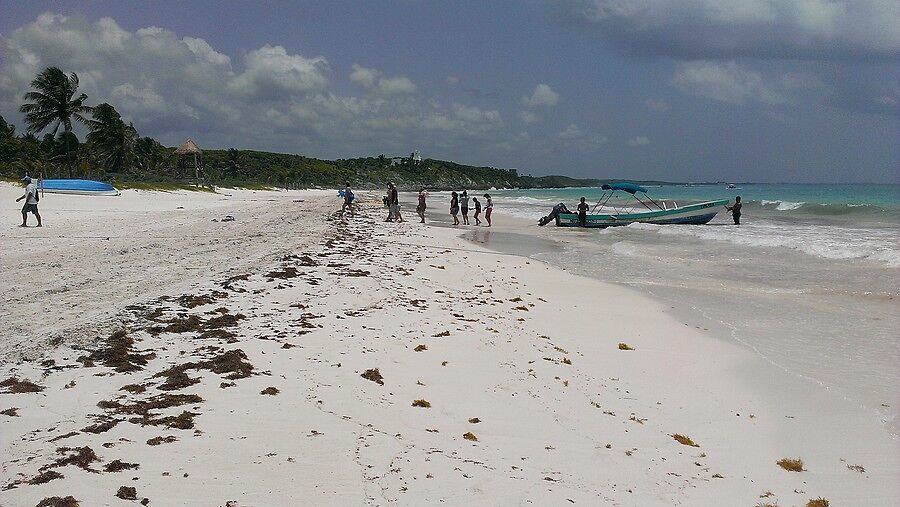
(114,151)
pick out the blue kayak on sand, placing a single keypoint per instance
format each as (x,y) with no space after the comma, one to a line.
(81,187)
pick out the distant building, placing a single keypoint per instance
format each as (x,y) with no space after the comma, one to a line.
(396,161)
(414,159)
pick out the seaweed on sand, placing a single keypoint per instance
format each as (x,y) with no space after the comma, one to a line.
(625,346)
(144,409)
(58,501)
(287,272)
(683,440)
(133,388)
(791,464)
(817,502)
(420,348)
(118,466)
(470,436)
(16,386)
(12,412)
(374,375)
(127,493)
(192,301)
(421,404)
(102,426)
(118,354)
(45,477)
(161,440)
(82,457)
(271,391)
(232,362)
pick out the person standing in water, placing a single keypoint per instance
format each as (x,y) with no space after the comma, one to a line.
(582,213)
(735,210)
(454,207)
(477,210)
(420,209)
(31,202)
(488,208)
(464,206)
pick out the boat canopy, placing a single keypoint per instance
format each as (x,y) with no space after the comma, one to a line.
(631,188)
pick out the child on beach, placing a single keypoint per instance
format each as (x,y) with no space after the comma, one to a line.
(420,209)
(477,210)
(454,207)
(31,202)
(488,207)
(464,206)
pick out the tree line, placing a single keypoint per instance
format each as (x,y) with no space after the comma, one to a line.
(114,150)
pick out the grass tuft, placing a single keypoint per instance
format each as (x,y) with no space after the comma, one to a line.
(791,464)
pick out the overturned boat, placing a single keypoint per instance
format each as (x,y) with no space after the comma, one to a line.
(647,211)
(74,186)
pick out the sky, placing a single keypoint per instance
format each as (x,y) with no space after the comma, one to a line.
(678,90)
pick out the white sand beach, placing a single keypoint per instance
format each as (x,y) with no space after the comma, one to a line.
(234,363)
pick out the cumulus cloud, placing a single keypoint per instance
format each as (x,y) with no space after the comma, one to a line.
(725,82)
(527,117)
(638,141)
(542,95)
(373,81)
(174,87)
(703,29)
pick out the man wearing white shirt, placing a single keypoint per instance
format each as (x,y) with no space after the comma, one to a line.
(31,202)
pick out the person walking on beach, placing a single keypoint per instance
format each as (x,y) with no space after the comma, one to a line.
(454,207)
(387,204)
(31,202)
(348,199)
(394,202)
(420,209)
(488,208)
(477,210)
(464,206)
(736,210)
(582,213)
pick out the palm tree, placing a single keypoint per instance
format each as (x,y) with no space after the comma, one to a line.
(233,163)
(146,150)
(112,140)
(52,102)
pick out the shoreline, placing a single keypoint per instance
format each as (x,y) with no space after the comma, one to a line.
(563,413)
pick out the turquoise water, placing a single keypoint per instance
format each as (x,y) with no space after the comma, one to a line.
(809,280)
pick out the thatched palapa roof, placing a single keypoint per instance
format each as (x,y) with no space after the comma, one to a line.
(187,148)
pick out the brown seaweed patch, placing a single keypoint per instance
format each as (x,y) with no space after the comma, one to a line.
(16,386)
(855,468)
(118,466)
(64,436)
(300,260)
(133,388)
(224,320)
(12,412)
(791,464)
(421,403)
(192,301)
(176,378)
(127,493)
(420,348)
(182,421)
(374,375)
(82,457)
(817,502)
(288,272)
(162,440)
(474,420)
(683,440)
(442,334)
(118,354)
(102,426)
(58,501)
(470,436)
(271,391)
(625,346)
(45,477)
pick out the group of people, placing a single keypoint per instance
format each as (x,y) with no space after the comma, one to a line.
(459,203)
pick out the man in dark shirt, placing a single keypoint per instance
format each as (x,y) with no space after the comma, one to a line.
(735,210)
(582,213)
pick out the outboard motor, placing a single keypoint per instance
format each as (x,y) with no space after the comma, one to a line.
(554,215)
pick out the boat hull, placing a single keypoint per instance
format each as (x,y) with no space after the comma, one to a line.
(78,187)
(694,214)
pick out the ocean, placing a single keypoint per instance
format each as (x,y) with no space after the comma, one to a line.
(809,281)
